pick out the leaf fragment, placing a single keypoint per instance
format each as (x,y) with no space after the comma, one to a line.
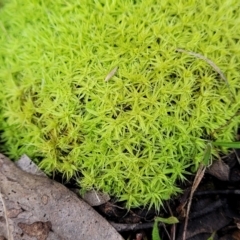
(111,74)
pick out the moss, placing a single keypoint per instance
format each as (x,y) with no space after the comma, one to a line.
(137,134)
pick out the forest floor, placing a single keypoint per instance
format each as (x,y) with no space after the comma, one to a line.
(214,213)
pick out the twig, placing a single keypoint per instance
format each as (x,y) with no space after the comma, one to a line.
(166,231)
(10,237)
(173,228)
(197,180)
(236,154)
(120,227)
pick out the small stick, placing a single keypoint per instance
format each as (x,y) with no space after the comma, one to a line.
(197,180)
(173,227)
(122,227)
(237,156)
(111,74)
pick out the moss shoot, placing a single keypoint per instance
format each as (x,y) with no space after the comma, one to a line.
(137,134)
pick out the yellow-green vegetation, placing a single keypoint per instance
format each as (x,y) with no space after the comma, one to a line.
(138,133)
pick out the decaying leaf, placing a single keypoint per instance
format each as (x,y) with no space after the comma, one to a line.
(111,74)
(47,205)
(220,170)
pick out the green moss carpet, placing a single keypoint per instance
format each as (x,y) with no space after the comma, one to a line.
(137,134)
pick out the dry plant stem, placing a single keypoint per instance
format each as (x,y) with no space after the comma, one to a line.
(10,237)
(173,227)
(165,229)
(211,63)
(197,180)
(237,156)
(131,227)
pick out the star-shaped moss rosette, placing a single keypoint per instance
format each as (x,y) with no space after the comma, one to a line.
(140,131)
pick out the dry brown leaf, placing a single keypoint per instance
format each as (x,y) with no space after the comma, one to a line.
(48,207)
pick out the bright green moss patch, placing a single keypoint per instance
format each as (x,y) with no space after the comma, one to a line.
(136,134)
